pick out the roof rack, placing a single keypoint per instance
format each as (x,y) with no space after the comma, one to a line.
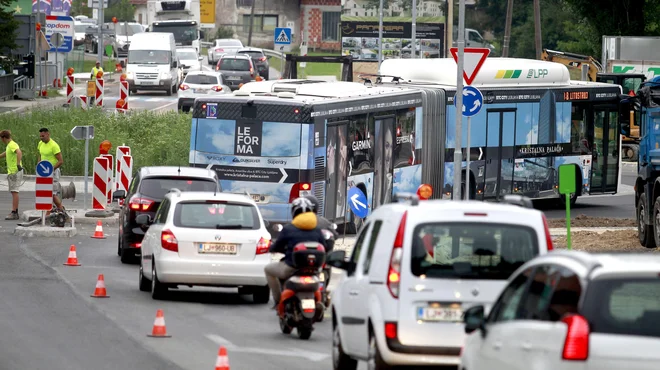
(518,200)
(413,198)
(379,78)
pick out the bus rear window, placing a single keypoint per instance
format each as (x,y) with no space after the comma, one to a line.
(624,306)
(470,250)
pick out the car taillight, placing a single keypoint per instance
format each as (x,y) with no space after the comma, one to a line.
(263,246)
(576,345)
(390,330)
(251,72)
(262,59)
(217,50)
(140,204)
(300,189)
(546,229)
(168,241)
(217,88)
(183,87)
(394,273)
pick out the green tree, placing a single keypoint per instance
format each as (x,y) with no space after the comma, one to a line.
(8,28)
(79,7)
(122,9)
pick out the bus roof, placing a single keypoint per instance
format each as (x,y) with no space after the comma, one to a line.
(494,73)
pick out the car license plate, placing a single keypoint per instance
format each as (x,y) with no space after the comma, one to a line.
(447,314)
(146,82)
(308,304)
(218,248)
(233,78)
(199,91)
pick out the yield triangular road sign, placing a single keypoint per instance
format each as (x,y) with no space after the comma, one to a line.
(473,59)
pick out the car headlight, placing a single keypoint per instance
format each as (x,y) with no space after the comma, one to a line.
(129,75)
(165,75)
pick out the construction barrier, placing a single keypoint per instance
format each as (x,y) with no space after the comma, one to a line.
(100,191)
(111,178)
(123,94)
(69,89)
(126,174)
(121,151)
(99,92)
(82,102)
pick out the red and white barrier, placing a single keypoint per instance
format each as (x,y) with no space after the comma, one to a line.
(82,100)
(100,191)
(111,179)
(123,93)
(69,89)
(99,92)
(44,193)
(122,150)
(126,172)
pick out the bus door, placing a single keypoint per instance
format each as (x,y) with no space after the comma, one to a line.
(336,170)
(605,153)
(383,160)
(499,153)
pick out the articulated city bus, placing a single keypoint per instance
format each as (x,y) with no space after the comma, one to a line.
(280,139)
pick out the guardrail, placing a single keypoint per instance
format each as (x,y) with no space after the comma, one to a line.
(7,86)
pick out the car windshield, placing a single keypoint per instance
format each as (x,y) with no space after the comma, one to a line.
(252,54)
(217,215)
(471,250)
(624,306)
(234,64)
(157,187)
(228,43)
(186,54)
(149,57)
(201,80)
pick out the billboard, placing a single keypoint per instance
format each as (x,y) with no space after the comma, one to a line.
(207,13)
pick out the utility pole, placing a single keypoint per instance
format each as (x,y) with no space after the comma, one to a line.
(537,29)
(458,142)
(507,29)
(414,30)
(380,34)
(100,43)
(37,58)
(254,2)
(450,26)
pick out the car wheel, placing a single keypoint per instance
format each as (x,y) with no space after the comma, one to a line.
(260,294)
(145,285)
(126,256)
(340,360)
(375,361)
(158,290)
(645,232)
(119,245)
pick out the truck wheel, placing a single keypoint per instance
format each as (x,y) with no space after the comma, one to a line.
(656,223)
(644,231)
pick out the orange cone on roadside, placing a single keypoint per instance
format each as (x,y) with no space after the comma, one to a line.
(222,363)
(98,233)
(73,258)
(100,292)
(159,330)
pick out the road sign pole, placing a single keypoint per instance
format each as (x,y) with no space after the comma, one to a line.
(414,32)
(458,142)
(86,129)
(100,56)
(467,166)
(380,34)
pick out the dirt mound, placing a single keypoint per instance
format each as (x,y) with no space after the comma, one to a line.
(588,221)
(608,241)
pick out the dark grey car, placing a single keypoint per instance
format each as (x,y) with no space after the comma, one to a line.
(259,59)
(236,70)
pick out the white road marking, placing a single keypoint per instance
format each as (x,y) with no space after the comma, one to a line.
(288,352)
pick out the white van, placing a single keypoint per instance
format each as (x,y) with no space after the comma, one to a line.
(153,63)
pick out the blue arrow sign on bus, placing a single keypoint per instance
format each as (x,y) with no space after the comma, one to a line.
(357,201)
(473,100)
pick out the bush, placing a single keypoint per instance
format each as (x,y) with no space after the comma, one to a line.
(154,138)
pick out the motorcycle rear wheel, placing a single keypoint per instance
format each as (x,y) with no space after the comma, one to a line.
(304,332)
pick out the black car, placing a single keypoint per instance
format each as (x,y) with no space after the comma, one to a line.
(146,192)
(259,59)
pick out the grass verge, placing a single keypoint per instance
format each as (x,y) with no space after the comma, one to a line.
(154,138)
(314,69)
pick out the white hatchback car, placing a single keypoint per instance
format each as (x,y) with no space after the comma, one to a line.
(203,84)
(571,310)
(205,239)
(416,267)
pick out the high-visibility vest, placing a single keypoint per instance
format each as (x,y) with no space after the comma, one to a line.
(95,71)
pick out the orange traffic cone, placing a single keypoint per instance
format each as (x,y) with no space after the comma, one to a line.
(98,233)
(222,363)
(73,259)
(159,330)
(100,292)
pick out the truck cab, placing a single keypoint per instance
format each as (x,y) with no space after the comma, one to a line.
(473,39)
(181,18)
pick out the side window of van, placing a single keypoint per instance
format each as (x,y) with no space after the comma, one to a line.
(358,243)
(372,245)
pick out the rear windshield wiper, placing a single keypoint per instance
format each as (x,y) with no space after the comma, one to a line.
(229,226)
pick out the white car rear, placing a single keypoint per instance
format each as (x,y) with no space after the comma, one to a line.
(189,59)
(223,47)
(416,268)
(206,239)
(200,84)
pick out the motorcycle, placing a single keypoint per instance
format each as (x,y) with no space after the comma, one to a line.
(301,302)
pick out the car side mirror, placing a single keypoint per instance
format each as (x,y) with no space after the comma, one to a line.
(143,220)
(474,319)
(119,194)
(175,64)
(337,259)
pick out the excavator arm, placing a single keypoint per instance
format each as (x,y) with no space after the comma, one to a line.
(574,60)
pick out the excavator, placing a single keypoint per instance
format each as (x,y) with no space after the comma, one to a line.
(629,82)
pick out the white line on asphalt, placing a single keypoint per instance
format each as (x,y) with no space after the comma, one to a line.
(165,105)
(290,352)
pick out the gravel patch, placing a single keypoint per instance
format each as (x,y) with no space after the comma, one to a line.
(608,241)
(588,221)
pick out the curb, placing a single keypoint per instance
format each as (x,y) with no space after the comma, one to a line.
(78,216)
(45,231)
(50,103)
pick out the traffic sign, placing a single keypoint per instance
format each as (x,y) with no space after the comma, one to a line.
(357,201)
(473,100)
(282,38)
(56,24)
(82,132)
(57,39)
(474,58)
(44,186)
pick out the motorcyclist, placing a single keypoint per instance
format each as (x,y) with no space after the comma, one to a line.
(303,228)
(323,223)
